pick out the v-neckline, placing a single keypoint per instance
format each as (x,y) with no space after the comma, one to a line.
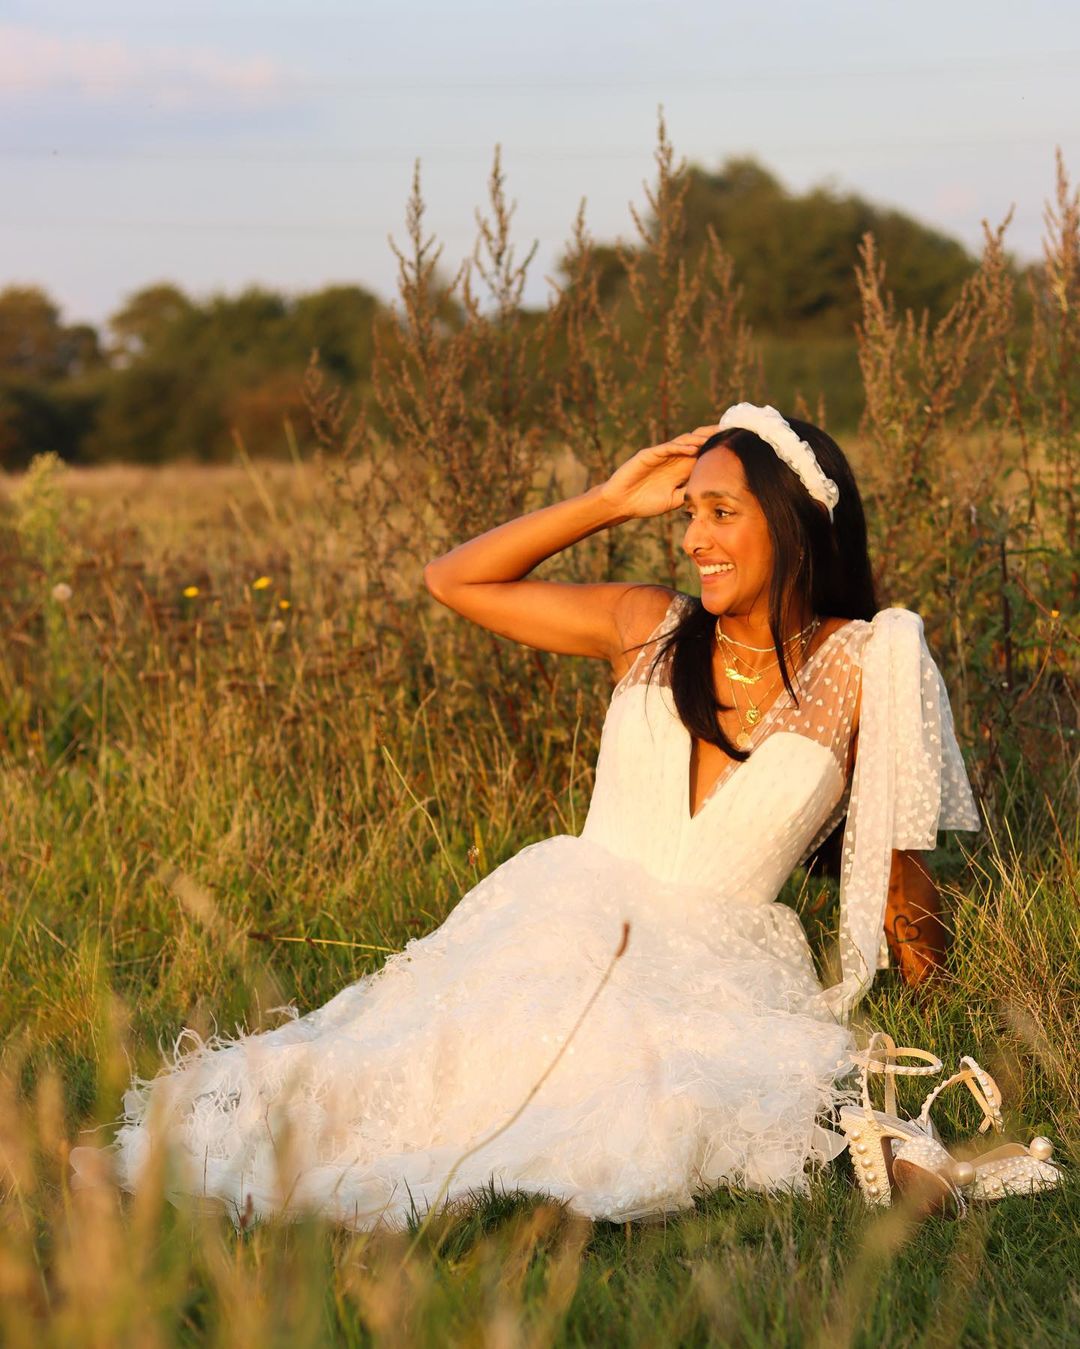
(755,735)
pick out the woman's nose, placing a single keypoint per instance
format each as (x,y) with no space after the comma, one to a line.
(691,537)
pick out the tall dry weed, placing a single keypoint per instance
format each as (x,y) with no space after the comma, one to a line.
(969,477)
(246,756)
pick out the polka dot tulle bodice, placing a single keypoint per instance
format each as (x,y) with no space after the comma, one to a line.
(711,1056)
(763,816)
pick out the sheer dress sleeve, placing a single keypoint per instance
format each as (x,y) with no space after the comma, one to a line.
(909,781)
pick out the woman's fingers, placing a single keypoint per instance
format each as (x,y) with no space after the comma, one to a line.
(694,439)
(688,440)
(649,482)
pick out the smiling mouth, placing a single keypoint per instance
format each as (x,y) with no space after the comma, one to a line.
(716,568)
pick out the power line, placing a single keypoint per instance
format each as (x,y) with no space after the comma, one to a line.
(344,229)
(452,155)
(1041,64)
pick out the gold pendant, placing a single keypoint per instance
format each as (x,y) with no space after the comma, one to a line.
(742,741)
(738,678)
(753,716)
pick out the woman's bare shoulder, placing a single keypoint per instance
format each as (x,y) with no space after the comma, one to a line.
(640,611)
(848,630)
(830,625)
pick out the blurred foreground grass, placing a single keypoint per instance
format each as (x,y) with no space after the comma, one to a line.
(196,697)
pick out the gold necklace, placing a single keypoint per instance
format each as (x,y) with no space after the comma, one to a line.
(761,650)
(755,676)
(748,719)
(753,714)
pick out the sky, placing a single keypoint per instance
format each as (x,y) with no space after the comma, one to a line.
(224,143)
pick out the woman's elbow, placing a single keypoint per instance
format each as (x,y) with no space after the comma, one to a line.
(435,581)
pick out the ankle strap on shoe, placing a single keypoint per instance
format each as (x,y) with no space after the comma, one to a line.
(981,1085)
(880,1056)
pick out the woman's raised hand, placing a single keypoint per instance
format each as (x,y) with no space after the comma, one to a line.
(651,482)
(486,579)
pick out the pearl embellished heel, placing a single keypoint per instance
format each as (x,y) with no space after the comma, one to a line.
(871,1133)
(929,1178)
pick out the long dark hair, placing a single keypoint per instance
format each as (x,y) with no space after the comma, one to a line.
(822,566)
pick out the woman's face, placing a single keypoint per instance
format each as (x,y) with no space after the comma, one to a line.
(727,537)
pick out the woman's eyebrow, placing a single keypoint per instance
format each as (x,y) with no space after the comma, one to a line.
(710,495)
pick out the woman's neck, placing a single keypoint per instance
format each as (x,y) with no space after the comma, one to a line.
(755,630)
(754,638)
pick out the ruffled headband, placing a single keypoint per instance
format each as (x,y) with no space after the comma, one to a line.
(768,425)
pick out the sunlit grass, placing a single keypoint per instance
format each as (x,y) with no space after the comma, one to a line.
(192,795)
(243,756)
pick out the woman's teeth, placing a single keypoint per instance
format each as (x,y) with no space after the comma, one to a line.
(716,567)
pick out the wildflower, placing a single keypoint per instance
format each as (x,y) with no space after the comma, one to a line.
(261,583)
(190,592)
(277,627)
(1055,613)
(61,592)
(284,604)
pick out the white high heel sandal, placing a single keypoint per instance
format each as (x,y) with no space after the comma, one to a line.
(924,1167)
(870,1133)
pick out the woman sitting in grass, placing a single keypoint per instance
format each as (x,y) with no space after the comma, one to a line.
(621,1018)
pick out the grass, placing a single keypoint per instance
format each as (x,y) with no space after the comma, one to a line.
(188,781)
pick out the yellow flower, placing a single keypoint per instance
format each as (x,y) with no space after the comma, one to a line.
(284,604)
(190,592)
(261,583)
(1055,613)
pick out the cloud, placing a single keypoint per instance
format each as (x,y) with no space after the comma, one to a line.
(108,70)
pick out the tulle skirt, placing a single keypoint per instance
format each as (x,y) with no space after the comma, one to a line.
(707,1057)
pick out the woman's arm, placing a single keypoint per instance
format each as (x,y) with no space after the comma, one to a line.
(484,579)
(914,929)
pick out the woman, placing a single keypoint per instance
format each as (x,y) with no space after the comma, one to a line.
(510,1043)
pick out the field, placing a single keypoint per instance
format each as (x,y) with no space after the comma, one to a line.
(214,752)
(243,755)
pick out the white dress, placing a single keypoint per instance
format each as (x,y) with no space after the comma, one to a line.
(712,1054)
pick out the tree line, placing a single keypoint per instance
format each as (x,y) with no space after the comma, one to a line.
(171,377)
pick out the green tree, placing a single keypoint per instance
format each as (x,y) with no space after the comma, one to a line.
(33,341)
(338,321)
(795,255)
(50,378)
(193,373)
(37,416)
(141,324)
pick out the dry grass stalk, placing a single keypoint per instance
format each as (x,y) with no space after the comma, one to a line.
(148,733)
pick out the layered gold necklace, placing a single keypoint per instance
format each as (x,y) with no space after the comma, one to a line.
(745,680)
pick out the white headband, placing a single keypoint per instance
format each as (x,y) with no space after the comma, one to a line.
(770,426)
